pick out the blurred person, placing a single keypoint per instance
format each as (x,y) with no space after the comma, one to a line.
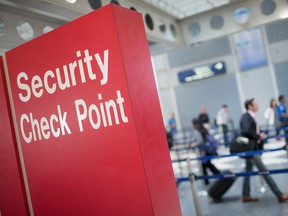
(223,119)
(170,139)
(271,116)
(250,129)
(204,118)
(283,115)
(200,140)
(172,127)
(270,113)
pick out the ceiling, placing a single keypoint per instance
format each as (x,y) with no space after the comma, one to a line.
(179,9)
(184,8)
(170,12)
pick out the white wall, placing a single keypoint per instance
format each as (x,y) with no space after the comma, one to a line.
(167,79)
(279,51)
(259,83)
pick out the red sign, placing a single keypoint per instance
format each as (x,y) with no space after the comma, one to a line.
(12,193)
(89,121)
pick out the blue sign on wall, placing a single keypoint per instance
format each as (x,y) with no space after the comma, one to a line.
(202,72)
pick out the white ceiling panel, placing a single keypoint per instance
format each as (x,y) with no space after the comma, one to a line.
(184,8)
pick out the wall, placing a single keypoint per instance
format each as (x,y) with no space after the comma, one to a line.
(277,37)
(211,92)
(233,88)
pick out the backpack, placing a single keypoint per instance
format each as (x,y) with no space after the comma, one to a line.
(211,145)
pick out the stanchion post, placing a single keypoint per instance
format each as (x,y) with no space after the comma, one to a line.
(179,162)
(194,189)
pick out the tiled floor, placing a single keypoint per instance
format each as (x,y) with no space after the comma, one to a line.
(231,204)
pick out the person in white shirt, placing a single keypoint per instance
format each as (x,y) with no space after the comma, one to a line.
(270,113)
(271,117)
(222,120)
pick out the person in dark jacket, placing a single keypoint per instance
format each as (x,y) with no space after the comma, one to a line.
(204,117)
(250,129)
(200,134)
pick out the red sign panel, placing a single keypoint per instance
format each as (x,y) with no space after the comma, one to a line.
(12,193)
(88,119)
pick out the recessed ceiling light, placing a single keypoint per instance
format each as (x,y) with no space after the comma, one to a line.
(284,15)
(71,1)
(219,3)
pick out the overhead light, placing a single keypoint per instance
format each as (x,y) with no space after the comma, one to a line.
(219,3)
(284,15)
(71,1)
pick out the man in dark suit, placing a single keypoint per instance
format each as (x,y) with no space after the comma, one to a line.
(250,129)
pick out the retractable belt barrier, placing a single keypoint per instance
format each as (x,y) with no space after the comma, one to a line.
(243,154)
(182,140)
(234,175)
(275,129)
(192,177)
(188,142)
(276,136)
(266,138)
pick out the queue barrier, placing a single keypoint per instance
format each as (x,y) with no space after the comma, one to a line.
(242,154)
(189,142)
(275,136)
(274,129)
(192,177)
(233,134)
(266,138)
(234,131)
(234,175)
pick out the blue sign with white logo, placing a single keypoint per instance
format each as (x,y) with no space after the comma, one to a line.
(202,72)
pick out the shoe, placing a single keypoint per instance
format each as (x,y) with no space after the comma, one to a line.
(249,199)
(283,198)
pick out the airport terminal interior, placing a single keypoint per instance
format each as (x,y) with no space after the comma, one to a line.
(207,56)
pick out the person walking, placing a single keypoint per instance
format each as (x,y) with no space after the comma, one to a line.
(200,140)
(250,129)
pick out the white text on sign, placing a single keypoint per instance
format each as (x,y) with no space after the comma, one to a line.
(104,112)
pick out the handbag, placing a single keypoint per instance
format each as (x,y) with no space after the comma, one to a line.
(241,144)
(211,145)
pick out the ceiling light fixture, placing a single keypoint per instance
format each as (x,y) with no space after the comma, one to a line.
(284,15)
(71,1)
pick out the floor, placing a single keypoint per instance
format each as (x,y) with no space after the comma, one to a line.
(231,204)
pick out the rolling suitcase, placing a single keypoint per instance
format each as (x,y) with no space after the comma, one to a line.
(218,189)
